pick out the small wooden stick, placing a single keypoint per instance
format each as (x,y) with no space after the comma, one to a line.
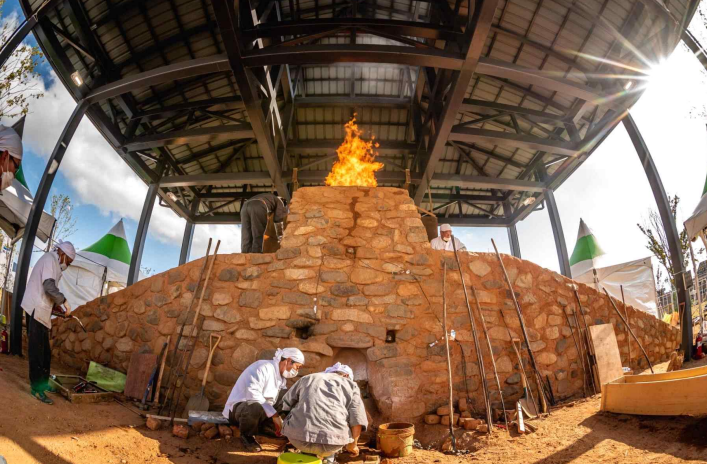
(628,339)
(159,377)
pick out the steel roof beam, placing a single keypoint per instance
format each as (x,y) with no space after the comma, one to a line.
(173,110)
(201,134)
(477,31)
(314,26)
(230,29)
(226,178)
(485,107)
(527,142)
(386,146)
(223,218)
(339,100)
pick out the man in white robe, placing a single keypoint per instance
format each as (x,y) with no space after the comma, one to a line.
(444,241)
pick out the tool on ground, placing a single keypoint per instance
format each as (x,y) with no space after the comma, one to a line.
(520,361)
(521,425)
(84,387)
(477,345)
(199,402)
(538,380)
(529,408)
(584,341)
(628,340)
(192,339)
(493,361)
(61,313)
(115,398)
(174,361)
(153,380)
(159,377)
(549,390)
(579,353)
(629,330)
(449,361)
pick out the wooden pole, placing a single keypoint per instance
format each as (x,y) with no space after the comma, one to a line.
(579,352)
(449,361)
(493,361)
(628,337)
(587,353)
(629,330)
(477,345)
(696,283)
(541,389)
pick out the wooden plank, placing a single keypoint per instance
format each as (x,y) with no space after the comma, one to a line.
(674,375)
(685,396)
(139,372)
(606,353)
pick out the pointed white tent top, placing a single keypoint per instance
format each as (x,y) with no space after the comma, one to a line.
(586,250)
(698,221)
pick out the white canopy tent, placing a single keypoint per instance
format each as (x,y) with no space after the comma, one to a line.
(98,269)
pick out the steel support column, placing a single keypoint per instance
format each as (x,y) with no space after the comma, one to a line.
(188,235)
(512,231)
(23,30)
(556,223)
(671,231)
(143,225)
(35,214)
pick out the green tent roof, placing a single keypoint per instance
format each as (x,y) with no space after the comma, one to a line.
(113,244)
(20,176)
(587,247)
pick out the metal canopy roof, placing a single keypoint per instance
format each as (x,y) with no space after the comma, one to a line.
(216,101)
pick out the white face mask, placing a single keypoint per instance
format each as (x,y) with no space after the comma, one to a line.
(446,239)
(291,374)
(63,266)
(6,180)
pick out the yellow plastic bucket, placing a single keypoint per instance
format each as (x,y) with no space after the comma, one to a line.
(296,458)
(395,439)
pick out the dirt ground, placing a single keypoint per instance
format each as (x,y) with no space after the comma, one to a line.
(31,432)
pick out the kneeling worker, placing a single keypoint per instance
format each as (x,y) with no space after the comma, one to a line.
(444,241)
(326,413)
(41,295)
(254,220)
(251,406)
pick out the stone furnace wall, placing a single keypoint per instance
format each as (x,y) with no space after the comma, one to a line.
(361,256)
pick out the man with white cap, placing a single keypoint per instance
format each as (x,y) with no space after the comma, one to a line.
(10,155)
(41,296)
(444,241)
(326,413)
(253,402)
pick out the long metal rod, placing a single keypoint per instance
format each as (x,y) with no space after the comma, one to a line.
(541,389)
(628,338)
(477,345)
(579,353)
(174,362)
(449,360)
(520,363)
(696,284)
(493,360)
(35,215)
(629,330)
(584,343)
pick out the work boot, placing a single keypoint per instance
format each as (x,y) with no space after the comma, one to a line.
(41,396)
(250,444)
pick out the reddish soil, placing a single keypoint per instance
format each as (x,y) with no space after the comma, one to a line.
(31,432)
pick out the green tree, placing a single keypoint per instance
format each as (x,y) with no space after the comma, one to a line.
(19,78)
(62,210)
(657,242)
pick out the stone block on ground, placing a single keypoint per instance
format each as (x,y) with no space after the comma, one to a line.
(445,419)
(181,431)
(153,424)
(432,419)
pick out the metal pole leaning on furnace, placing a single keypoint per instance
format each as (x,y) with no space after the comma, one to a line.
(449,361)
(541,390)
(484,383)
(629,330)
(579,352)
(628,339)
(493,361)
(586,345)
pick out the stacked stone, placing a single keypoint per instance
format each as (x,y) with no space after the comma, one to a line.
(355,273)
(460,417)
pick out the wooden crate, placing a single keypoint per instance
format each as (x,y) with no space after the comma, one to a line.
(64,385)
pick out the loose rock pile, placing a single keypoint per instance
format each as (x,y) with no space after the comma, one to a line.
(461,419)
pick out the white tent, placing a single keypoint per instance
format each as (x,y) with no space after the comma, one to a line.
(15,205)
(636,278)
(98,269)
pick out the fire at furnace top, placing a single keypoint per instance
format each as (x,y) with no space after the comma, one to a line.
(356,165)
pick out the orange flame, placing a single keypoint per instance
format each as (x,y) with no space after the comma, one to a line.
(356,165)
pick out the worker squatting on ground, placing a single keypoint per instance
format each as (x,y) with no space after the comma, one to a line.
(326,413)
(256,397)
(10,155)
(41,296)
(254,220)
(444,241)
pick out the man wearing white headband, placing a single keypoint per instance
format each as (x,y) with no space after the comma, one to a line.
(10,155)
(326,413)
(444,241)
(253,402)
(41,296)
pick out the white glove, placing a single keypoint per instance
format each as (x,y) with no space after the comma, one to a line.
(67,306)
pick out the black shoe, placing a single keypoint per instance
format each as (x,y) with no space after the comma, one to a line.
(250,444)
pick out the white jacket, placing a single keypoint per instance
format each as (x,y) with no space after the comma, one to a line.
(35,299)
(260,382)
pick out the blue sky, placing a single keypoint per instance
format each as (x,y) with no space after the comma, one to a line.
(609,191)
